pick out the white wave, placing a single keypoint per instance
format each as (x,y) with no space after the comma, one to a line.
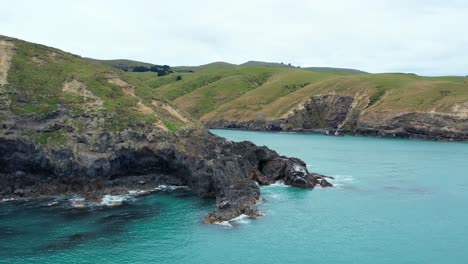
(276,184)
(223,223)
(78,202)
(163,187)
(241,219)
(341,180)
(138,192)
(115,200)
(8,199)
(53,203)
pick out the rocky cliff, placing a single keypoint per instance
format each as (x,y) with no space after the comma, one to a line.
(69,126)
(338,114)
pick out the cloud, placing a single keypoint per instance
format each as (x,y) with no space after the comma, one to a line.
(425,37)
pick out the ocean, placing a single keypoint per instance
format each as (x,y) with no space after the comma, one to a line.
(394,201)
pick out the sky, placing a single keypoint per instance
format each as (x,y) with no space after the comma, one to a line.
(426,37)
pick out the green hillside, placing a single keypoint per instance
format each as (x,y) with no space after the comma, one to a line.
(267,64)
(40,80)
(330,69)
(209,66)
(122,62)
(124,65)
(225,65)
(249,93)
(255,92)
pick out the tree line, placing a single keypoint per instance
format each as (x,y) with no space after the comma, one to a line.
(161,70)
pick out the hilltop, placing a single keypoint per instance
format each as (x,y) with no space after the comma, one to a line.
(129,65)
(288,65)
(71,126)
(121,62)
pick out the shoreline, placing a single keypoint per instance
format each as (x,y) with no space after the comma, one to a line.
(376,134)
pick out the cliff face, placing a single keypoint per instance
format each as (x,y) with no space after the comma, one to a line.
(68,126)
(338,114)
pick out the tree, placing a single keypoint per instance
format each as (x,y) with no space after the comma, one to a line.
(178,78)
(121,67)
(140,69)
(161,70)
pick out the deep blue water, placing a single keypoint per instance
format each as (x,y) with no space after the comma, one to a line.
(396,201)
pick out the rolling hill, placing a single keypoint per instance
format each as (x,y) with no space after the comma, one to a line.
(292,99)
(121,62)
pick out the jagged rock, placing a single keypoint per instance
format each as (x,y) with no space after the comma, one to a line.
(19,192)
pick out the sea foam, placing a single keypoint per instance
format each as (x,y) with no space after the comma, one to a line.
(341,180)
(8,199)
(276,184)
(241,219)
(116,200)
(163,187)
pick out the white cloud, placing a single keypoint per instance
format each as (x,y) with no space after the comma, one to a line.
(427,37)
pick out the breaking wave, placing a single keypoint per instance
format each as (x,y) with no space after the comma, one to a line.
(341,180)
(241,219)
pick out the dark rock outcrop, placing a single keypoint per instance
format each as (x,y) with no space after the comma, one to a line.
(207,164)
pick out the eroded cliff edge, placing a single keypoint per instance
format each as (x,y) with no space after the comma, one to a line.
(68,126)
(341,114)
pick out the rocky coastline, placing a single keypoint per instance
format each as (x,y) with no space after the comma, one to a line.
(214,168)
(333,114)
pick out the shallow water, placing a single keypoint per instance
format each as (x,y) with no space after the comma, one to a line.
(396,201)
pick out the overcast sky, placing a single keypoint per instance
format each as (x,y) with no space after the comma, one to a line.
(428,37)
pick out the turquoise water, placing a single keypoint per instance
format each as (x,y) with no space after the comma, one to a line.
(396,201)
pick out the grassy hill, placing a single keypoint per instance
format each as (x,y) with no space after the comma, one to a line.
(209,66)
(39,81)
(258,91)
(225,65)
(266,64)
(283,65)
(245,92)
(330,69)
(252,93)
(122,62)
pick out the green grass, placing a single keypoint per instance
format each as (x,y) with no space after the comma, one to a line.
(54,138)
(172,126)
(210,66)
(41,83)
(377,95)
(150,118)
(128,63)
(37,75)
(234,93)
